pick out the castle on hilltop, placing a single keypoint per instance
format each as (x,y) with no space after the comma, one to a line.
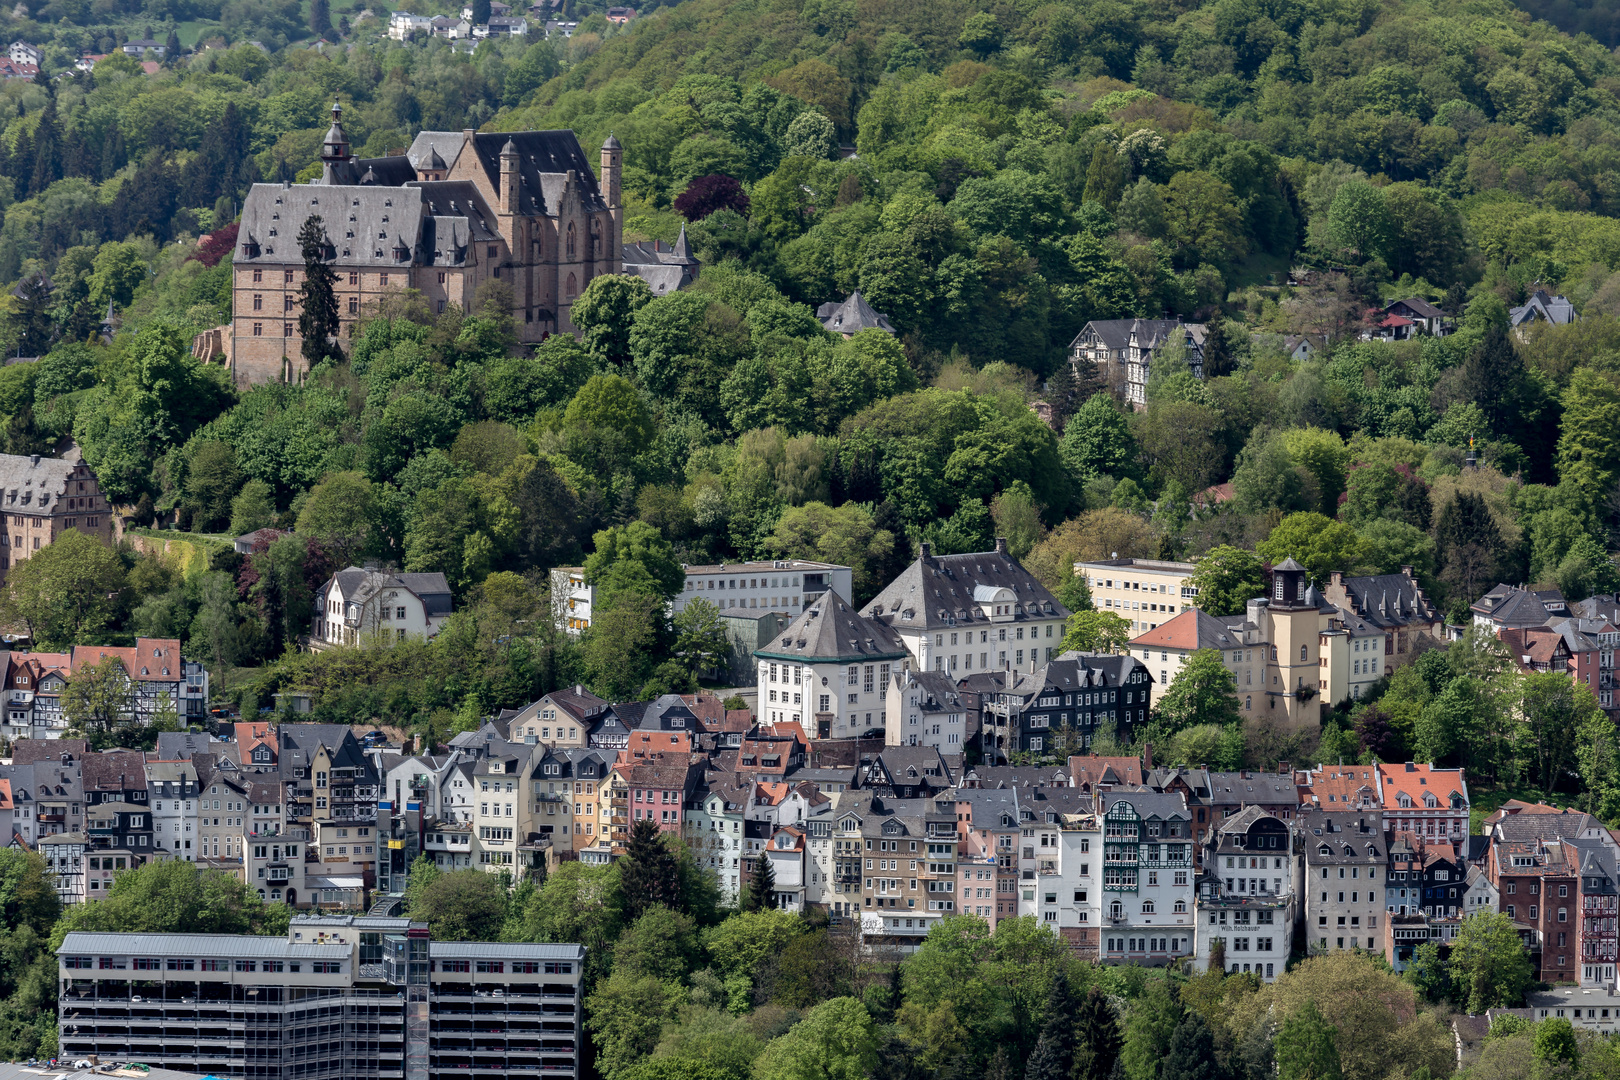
(457,209)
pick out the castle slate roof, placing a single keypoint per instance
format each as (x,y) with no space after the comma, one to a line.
(27,481)
(544,160)
(937,591)
(428,224)
(830,631)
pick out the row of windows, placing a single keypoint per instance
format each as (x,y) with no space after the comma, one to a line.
(179,963)
(496,967)
(354,277)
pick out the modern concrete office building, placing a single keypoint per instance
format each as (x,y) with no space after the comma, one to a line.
(349,997)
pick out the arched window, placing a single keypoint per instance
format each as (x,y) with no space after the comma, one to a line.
(1116,910)
(1147,907)
(596,239)
(573,283)
(570,239)
(1302,652)
(1181,907)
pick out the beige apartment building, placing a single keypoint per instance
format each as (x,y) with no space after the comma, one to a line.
(1144,592)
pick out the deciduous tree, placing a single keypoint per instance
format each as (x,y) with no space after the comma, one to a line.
(1201,691)
(65,593)
(1489,963)
(1096,632)
(463,905)
(1227,578)
(1305,1047)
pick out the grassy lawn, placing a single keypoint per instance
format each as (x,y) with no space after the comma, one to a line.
(194,30)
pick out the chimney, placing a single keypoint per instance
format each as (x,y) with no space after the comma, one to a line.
(1406,569)
(925,550)
(1147,757)
(1001,545)
(34,460)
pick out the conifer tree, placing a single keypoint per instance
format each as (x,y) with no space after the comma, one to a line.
(1096,1037)
(648,874)
(47,150)
(1047,1062)
(112,152)
(319,319)
(1218,358)
(22,164)
(761,891)
(1063,394)
(1191,1055)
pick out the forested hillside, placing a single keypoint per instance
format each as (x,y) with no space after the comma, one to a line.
(1016,172)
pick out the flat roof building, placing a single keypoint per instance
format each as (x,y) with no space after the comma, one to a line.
(338,998)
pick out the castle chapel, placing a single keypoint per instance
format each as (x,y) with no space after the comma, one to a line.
(458,208)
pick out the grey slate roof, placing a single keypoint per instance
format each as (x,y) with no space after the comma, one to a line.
(938,691)
(852,316)
(1420,306)
(1148,804)
(1242,821)
(182,745)
(1029,777)
(1361,835)
(26,482)
(990,808)
(937,589)
(447,145)
(830,631)
(665,270)
(662,280)
(1236,788)
(358,586)
(1599,606)
(908,766)
(544,160)
(1553,309)
(1519,828)
(381,227)
(1116,333)
(1510,608)
(1389,600)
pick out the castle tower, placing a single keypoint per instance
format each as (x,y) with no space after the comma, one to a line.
(335,149)
(509,178)
(611,181)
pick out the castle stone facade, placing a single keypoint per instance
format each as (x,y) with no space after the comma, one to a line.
(457,209)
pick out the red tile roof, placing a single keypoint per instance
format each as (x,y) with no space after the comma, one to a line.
(1091,770)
